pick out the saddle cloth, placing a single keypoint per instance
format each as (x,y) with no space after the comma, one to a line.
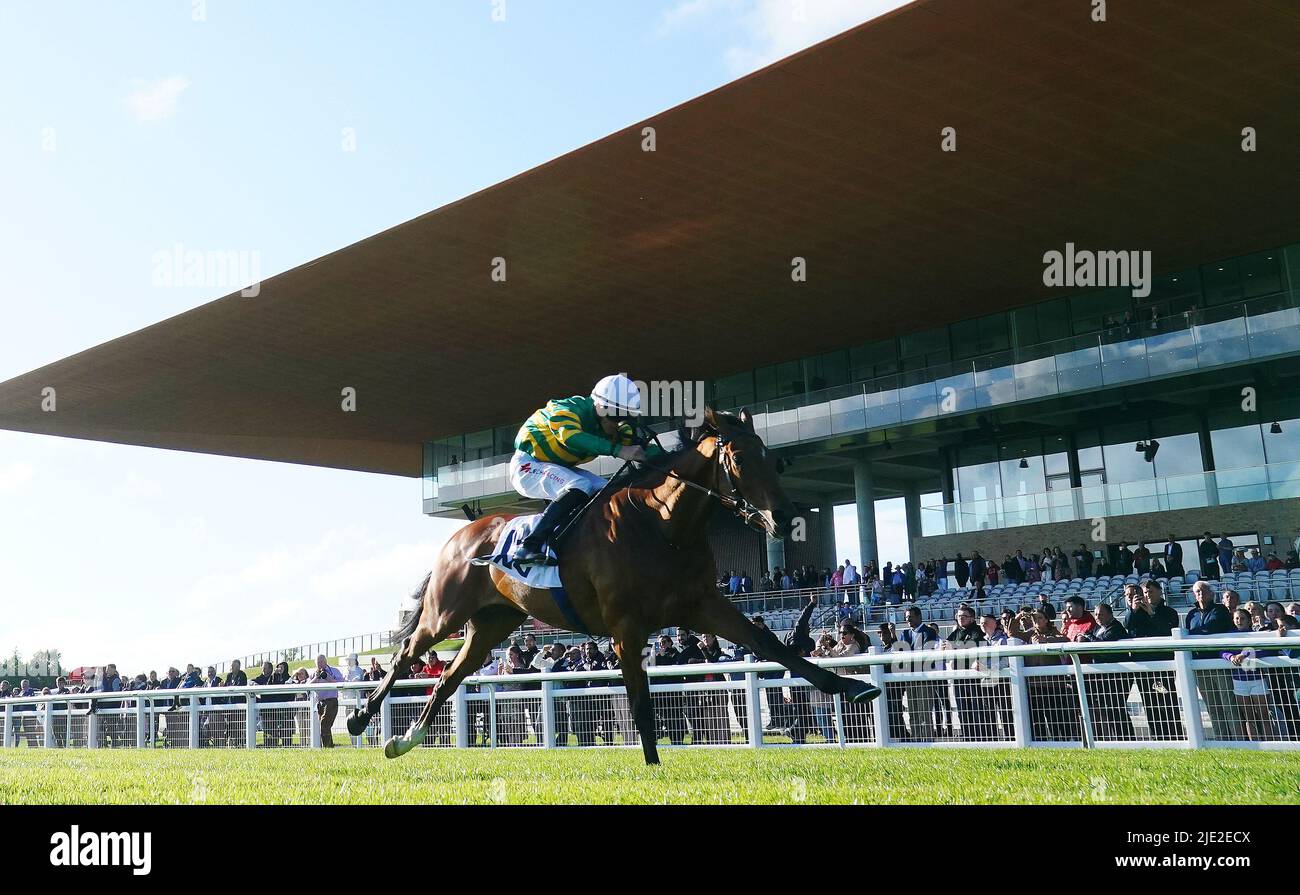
(515,531)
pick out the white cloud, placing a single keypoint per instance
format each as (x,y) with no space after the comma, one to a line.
(14,476)
(156,100)
(773,29)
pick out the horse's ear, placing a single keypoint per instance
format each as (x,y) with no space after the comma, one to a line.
(746,419)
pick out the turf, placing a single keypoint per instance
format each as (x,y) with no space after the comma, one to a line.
(687,776)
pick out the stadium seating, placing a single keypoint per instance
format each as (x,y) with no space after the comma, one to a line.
(1279,585)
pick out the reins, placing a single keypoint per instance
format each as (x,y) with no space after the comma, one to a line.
(735,502)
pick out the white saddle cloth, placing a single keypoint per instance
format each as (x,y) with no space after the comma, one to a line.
(515,531)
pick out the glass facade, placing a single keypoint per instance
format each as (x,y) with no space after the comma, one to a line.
(1011,483)
(1173,301)
(1222,313)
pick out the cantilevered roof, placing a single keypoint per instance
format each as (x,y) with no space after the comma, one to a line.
(676,263)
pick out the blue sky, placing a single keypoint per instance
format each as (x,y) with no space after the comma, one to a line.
(129,129)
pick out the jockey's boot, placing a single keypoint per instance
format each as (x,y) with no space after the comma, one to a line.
(531,550)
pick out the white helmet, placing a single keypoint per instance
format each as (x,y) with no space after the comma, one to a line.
(617,395)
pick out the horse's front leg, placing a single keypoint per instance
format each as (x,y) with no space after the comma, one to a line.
(718,616)
(631,656)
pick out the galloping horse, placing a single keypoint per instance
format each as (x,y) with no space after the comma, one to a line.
(635,562)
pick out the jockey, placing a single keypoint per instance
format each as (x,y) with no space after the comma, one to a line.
(555,440)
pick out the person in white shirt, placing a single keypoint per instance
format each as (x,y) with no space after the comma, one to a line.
(546,659)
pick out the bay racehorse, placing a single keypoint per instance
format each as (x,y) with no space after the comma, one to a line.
(636,561)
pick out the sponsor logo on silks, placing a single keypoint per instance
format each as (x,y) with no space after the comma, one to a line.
(78,849)
(524,467)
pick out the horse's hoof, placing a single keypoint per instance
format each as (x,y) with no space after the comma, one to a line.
(391,749)
(357,722)
(860,692)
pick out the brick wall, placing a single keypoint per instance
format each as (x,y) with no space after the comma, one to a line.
(1279,518)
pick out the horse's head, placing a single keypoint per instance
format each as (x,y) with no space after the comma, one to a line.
(748,471)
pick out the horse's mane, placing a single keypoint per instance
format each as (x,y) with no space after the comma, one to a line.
(655,471)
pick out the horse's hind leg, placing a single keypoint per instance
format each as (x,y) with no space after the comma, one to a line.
(718,616)
(486,628)
(432,628)
(419,641)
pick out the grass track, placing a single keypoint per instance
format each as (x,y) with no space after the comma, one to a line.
(687,776)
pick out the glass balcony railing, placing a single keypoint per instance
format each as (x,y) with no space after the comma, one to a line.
(1204,339)
(1203,489)
(1228,334)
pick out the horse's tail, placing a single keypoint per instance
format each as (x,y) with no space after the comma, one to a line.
(408,628)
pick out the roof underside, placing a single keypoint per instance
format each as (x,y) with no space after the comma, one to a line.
(675,264)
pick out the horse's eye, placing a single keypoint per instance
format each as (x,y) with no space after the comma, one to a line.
(780,466)
(738,460)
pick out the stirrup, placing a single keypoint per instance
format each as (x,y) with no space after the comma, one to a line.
(527,556)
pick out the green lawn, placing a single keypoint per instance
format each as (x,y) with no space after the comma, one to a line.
(690,776)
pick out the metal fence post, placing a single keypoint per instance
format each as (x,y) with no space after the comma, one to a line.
(313,720)
(141,723)
(753,707)
(1085,715)
(195,741)
(92,728)
(386,719)
(49,724)
(1020,700)
(460,716)
(9,726)
(880,708)
(492,715)
(250,721)
(1185,684)
(548,715)
(838,701)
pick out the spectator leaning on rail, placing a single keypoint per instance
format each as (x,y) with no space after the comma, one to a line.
(28,727)
(922,695)
(1108,695)
(1207,619)
(776,709)
(1149,616)
(995,684)
(327,706)
(1249,689)
(822,704)
(965,635)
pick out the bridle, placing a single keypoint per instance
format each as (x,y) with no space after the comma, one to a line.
(735,500)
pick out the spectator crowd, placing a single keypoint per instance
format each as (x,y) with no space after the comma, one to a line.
(1248,700)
